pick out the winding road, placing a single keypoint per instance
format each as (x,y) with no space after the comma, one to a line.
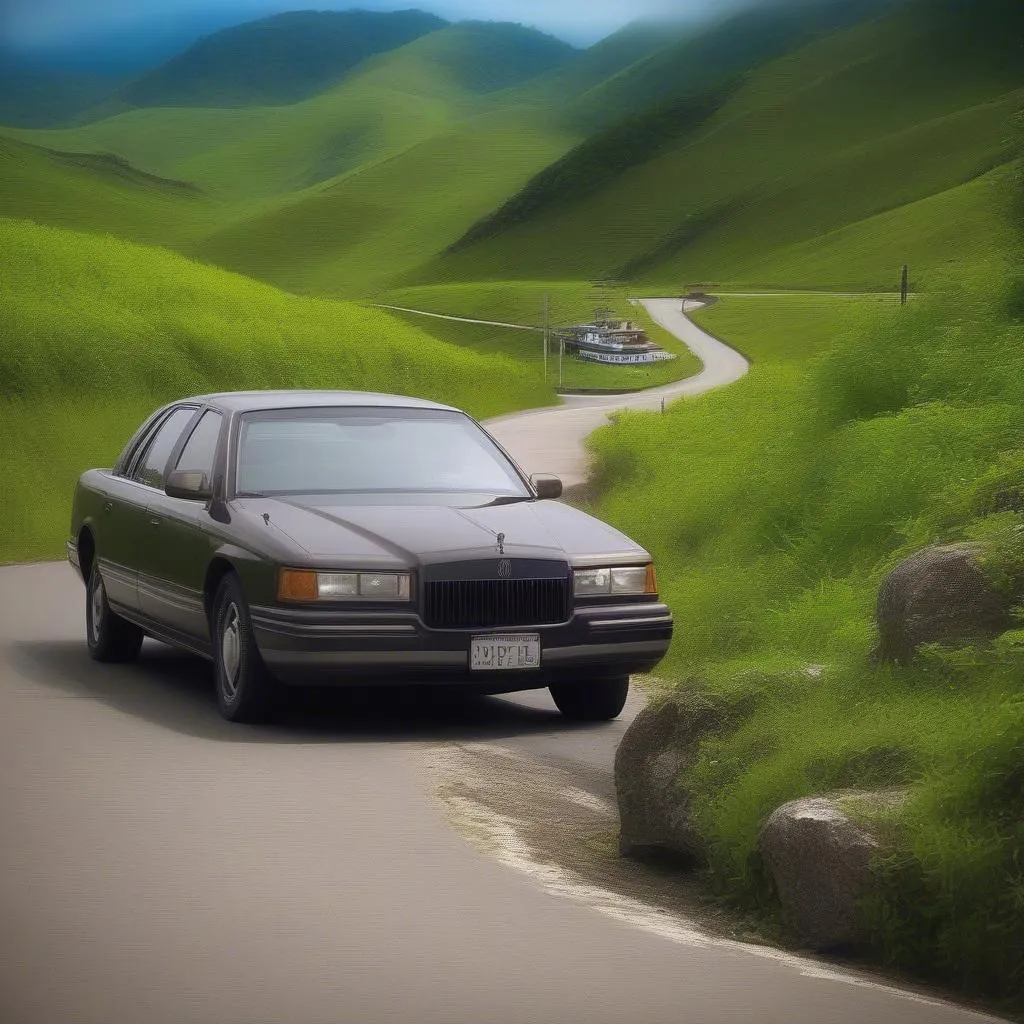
(160,865)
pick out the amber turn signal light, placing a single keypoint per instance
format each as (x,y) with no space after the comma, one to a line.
(297,585)
(651,582)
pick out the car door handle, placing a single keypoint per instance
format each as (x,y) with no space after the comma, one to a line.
(153,521)
(108,507)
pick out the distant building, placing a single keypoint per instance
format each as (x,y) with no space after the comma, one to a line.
(608,340)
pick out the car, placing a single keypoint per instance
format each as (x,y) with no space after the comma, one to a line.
(351,538)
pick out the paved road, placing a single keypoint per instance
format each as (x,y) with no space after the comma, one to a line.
(551,440)
(160,865)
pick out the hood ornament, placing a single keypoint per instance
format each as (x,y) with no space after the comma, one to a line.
(501,543)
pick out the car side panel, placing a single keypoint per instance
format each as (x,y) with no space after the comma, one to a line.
(110,506)
(171,579)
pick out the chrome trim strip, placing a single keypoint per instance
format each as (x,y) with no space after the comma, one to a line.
(400,659)
(647,620)
(320,630)
(115,572)
(587,652)
(72,550)
(329,632)
(169,594)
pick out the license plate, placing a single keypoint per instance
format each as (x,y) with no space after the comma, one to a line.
(488,653)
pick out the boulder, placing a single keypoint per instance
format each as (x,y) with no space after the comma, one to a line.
(938,595)
(818,858)
(654,809)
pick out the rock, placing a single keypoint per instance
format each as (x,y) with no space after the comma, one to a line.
(654,809)
(938,595)
(818,858)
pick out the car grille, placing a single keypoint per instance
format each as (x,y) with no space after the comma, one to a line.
(464,604)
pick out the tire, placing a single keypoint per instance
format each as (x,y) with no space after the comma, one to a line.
(246,690)
(110,638)
(597,700)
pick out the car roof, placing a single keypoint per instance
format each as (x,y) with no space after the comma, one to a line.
(250,401)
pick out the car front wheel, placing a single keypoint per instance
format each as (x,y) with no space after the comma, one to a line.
(111,638)
(598,700)
(246,691)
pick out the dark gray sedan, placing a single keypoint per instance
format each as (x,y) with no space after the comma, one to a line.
(345,538)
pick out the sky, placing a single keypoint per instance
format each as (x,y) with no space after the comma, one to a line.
(58,23)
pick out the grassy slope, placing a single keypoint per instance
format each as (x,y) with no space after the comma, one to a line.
(774,509)
(32,97)
(703,56)
(99,194)
(94,332)
(281,59)
(253,152)
(852,126)
(356,235)
(787,329)
(962,227)
(518,302)
(341,193)
(391,102)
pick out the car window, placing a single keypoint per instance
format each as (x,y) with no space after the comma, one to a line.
(136,448)
(201,447)
(353,450)
(150,469)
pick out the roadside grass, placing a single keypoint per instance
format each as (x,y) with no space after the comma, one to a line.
(95,332)
(773,510)
(517,302)
(787,328)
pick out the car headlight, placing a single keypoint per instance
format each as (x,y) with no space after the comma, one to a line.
(614,580)
(309,585)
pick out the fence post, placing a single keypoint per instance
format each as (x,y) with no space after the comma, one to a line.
(903,285)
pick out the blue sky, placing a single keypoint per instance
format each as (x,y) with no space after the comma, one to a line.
(43,23)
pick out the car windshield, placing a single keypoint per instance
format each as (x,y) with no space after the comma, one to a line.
(362,451)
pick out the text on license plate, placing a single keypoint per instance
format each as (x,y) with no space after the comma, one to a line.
(496,652)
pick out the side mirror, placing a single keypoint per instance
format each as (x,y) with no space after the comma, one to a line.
(191,484)
(546,486)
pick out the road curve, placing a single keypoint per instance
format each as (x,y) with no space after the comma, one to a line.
(158,864)
(551,440)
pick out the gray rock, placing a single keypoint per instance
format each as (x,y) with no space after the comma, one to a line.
(654,809)
(818,856)
(938,595)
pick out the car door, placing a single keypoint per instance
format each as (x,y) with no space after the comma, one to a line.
(119,522)
(144,476)
(172,591)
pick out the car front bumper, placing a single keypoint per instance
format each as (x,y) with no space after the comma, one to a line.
(314,647)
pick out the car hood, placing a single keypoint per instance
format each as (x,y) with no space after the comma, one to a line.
(328,533)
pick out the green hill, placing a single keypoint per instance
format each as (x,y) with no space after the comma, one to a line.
(355,235)
(35,97)
(100,193)
(94,332)
(281,59)
(389,104)
(704,56)
(849,128)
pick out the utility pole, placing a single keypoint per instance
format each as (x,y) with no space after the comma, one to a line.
(561,349)
(545,337)
(903,285)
